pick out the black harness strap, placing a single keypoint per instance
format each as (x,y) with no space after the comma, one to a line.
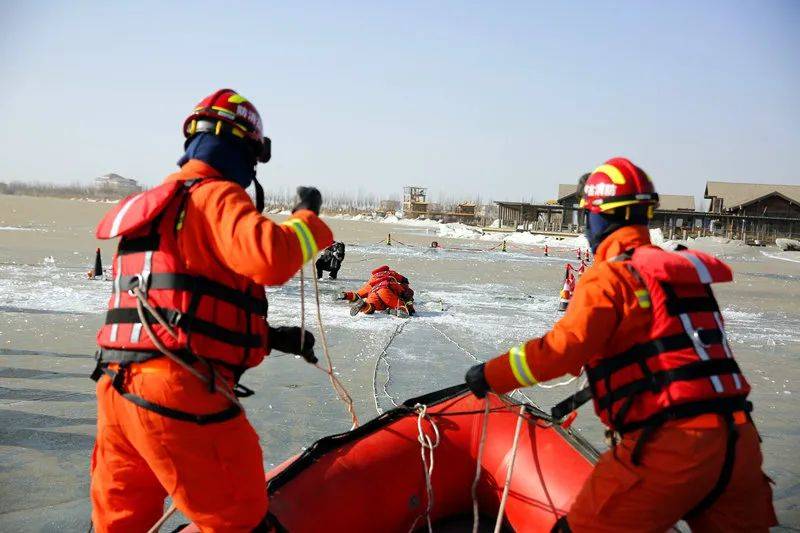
(571,403)
(117,381)
(130,315)
(720,406)
(187,282)
(656,381)
(725,473)
(647,350)
(561,526)
(680,305)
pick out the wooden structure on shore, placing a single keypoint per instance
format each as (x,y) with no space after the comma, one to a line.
(415,202)
(674,223)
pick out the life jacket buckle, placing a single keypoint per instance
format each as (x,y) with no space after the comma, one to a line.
(698,336)
(612,438)
(175,318)
(139,281)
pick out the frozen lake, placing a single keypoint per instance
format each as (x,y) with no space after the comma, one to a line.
(473,304)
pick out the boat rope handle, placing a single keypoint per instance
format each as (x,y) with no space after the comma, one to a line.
(507,485)
(474,491)
(427,447)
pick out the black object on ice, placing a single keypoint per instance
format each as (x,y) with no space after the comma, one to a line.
(331,260)
(98,265)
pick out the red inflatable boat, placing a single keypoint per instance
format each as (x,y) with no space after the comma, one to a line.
(373,479)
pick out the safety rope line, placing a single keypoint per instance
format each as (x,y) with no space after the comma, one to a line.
(479,460)
(581,254)
(509,472)
(341,391)
(397,331)
(303,306)
(169,512)
(427,447)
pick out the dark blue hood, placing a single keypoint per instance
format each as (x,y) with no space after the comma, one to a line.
(230,156)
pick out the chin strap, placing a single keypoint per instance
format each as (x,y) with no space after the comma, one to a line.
(259,195)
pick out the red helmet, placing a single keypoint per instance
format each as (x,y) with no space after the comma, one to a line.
(617,183)
(228,111)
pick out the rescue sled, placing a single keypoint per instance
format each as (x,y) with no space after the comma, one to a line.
(372,478)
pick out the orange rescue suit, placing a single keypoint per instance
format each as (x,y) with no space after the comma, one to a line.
(682,459)
(214,472)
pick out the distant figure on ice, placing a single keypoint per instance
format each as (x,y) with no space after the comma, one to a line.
(386,290)
(331,260)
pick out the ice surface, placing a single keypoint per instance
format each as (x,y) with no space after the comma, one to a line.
(473,303)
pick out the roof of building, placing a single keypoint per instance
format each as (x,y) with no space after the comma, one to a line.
(673,202)
(736,194)
(566,189)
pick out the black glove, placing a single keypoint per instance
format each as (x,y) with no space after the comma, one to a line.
(310,198)
(286,339)
(476,381)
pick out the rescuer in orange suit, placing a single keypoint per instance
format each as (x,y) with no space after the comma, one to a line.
(646,329)
(194,252)
(386,290)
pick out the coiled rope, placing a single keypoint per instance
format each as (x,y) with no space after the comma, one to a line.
(427,447)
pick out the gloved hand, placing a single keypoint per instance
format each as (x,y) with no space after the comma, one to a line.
(476,381)
(341,296)
(286,339)
(310,198)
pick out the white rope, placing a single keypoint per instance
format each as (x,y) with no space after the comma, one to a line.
(427,446)
(303,307)
(479,460)
(163,519)
(510,470)
(446,336)
(395,333)
(338,387)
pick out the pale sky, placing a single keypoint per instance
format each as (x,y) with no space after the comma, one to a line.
(501,99)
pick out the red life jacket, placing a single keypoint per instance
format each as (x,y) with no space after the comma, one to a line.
(686,367)
(220,323)
(383,273)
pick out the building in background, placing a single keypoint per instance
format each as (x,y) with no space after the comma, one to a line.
(116,185)
(754,199)
(754,213)
(675,202)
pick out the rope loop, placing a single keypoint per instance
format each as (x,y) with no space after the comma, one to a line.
(426,443)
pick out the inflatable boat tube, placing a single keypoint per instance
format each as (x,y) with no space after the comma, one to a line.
(372,478)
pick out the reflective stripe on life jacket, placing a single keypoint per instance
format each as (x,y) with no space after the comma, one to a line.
(214,321)
(686,368)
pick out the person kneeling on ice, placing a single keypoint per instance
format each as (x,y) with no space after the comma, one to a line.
(386,290)
(186,318)
(331,260)
(645,327)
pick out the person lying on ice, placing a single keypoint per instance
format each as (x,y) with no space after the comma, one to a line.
(331,260)
(386,290)
(196,253)
(644,326)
